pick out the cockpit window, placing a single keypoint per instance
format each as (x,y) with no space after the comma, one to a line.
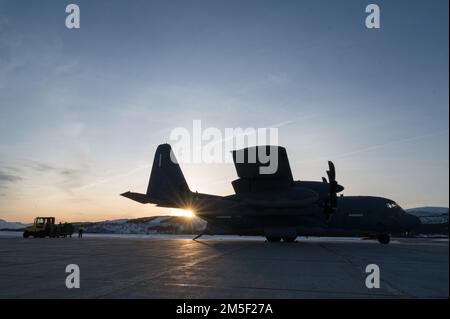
(391,205)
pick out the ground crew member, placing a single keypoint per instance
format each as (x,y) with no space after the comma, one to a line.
(80,232)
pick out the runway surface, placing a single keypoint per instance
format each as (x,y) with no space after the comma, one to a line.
(225,267)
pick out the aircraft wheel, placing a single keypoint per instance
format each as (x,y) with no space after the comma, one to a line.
(273,239)
(289,239)
(384,239)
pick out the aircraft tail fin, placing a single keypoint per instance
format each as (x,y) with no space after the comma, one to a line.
(167,185)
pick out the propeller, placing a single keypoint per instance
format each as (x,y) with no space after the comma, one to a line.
(334,188)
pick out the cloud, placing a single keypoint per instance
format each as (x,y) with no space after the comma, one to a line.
(42,167)
(72,178)
(375,147)
(67,178)
(6,178)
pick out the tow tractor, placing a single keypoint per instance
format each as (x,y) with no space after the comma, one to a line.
(46,227)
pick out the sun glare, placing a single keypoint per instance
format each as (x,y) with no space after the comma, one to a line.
(182,213)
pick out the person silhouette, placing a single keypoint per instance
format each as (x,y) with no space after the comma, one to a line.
(80,232)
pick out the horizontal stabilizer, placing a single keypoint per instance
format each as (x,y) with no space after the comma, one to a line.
(138,197)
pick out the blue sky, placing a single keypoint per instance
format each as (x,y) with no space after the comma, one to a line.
(82,111)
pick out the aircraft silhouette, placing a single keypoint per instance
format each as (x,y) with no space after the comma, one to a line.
(274,205)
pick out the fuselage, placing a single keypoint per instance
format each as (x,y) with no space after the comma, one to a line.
(354,216)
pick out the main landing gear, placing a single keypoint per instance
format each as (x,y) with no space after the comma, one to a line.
(384,239)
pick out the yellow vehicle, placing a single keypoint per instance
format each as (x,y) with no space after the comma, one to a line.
(45,227)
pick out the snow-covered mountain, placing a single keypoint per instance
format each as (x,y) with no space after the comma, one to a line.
(430,215)
(145,225)
(11,225)
(428,211)
(148,225)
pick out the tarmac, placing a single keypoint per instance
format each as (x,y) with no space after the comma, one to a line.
(221,267)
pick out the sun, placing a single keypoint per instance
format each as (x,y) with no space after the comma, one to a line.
(182,212)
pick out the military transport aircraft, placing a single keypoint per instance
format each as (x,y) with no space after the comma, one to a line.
(274,205)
